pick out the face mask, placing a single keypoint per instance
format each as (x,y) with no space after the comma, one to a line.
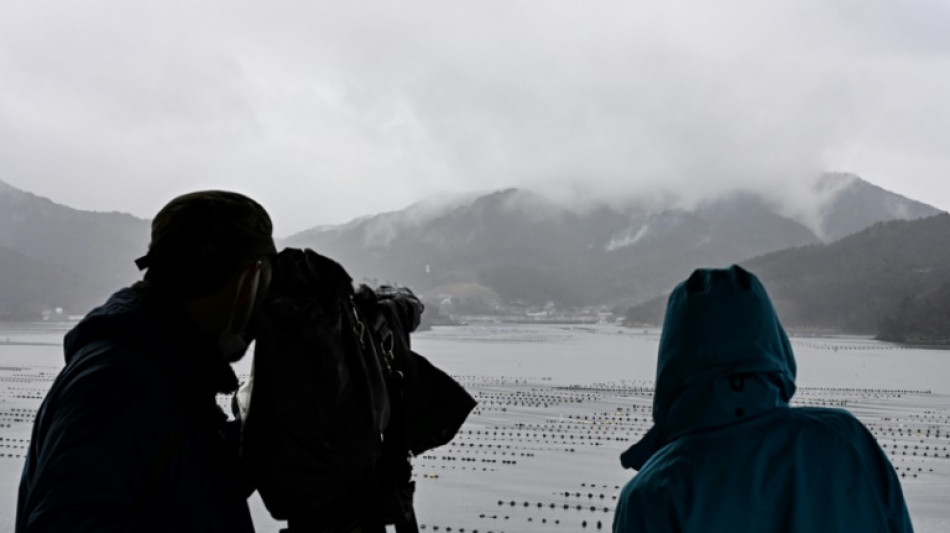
(232,342)
(232,346)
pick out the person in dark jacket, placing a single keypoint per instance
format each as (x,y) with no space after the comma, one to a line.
(726,452)
(129,437)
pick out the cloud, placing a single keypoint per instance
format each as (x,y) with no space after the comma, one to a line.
(326,111)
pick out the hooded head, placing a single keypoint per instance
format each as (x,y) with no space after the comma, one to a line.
(723,358)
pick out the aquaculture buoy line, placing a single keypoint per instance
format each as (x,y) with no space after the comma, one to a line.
(527,337)
(528,426)
(571,420)
(546,422)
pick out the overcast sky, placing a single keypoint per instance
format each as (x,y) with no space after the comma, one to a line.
(326,111)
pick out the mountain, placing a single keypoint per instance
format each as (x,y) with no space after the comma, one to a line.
(57,256)
(509,249)
(892,280)
(29,287)
(923,318)
(513,241)
(858,282)
(856,204)
(531,250)
(525,249)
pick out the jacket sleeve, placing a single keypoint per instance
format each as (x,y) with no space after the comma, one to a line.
(877,473)
(95,448)
(885,478)
(640,509)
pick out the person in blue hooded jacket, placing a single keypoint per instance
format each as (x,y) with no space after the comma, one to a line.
(726,452)
(130,437)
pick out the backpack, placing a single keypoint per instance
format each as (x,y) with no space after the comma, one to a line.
(337,401)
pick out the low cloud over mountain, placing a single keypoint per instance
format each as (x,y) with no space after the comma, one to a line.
(507,247)
(527,247)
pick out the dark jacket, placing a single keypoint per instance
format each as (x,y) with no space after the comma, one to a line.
(130,437)
(727,453)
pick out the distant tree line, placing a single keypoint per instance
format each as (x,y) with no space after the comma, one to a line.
(922,319)
(891,280)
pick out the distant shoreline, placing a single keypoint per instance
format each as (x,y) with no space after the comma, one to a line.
(834,334)
(25,343)
(37,325)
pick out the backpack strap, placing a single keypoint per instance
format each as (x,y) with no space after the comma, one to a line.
(395,495)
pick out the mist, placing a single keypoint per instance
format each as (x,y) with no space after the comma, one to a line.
(327,112)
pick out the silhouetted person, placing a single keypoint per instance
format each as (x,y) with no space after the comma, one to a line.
(130,437)
(726,452)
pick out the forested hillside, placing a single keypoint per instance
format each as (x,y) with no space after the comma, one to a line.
(54,256)
(890,279)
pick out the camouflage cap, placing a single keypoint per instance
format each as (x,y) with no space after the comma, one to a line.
(206,225)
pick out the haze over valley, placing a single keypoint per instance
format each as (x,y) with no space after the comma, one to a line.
(519,254)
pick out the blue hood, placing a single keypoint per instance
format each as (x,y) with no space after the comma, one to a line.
(723,358)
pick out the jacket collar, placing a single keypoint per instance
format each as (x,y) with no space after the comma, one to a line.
(141,316)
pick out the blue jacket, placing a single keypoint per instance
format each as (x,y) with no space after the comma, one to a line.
(726,452)
(129,437)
